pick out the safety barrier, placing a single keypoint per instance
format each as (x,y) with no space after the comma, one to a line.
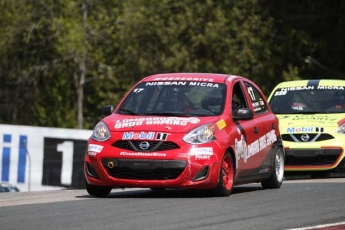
(41,158)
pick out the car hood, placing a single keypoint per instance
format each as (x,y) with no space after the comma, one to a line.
(309,122)
(117,122)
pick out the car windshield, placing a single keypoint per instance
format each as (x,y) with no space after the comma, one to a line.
(175,99)
(308,100)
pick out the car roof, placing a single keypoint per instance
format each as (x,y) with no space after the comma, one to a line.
(315,82)
(208,77)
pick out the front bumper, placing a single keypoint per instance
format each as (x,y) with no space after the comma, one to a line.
(178,168)
(305,159)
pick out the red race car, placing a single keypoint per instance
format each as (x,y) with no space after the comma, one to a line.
(186,130)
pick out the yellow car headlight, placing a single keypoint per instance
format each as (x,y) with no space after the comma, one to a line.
(341,129)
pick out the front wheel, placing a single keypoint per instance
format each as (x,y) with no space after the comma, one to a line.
(276,178)
(226,176)
(97,191)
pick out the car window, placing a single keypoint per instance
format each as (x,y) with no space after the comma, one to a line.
(185,98)
(238,99)
(290,100)
(256,98)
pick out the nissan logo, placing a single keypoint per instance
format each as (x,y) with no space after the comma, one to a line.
(144,145)
(305,137)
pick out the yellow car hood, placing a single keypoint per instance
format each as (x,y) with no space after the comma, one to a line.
(310,123)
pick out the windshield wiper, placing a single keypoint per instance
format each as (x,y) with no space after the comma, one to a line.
(127,111)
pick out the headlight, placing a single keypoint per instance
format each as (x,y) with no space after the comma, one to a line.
(200,135)
(101,132)
(341,129)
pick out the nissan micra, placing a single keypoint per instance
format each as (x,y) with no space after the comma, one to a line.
(186,130)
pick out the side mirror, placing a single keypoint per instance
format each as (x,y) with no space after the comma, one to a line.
(243,114)
(107,110)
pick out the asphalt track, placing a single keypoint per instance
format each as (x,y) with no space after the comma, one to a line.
(297,204)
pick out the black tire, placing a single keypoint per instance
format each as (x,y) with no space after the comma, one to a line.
(226,176)
(277,176)
(97,191)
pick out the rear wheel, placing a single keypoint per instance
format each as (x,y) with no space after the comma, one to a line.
(96,190)
(277,176)
(226,176)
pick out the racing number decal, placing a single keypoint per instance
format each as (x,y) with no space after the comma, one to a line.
(63,162)
(251,93)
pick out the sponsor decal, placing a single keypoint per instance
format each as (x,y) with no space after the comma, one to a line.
(183,79)
(140,154)
(202,157)
(300,129)
(310,87)
(131,122)
(330,87)
(192,83)
(145,135)
(315,118)
(255,104)
(93,150)
(304,129)
(319,129)
(241,149)
(202,151)
(162,136)
(221,124)
(135,136)
(246,151)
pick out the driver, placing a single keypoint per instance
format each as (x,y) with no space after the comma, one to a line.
(214,101)
(183,103)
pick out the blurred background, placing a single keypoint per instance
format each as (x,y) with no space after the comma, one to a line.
(62,60)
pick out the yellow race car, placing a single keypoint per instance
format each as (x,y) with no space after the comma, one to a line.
(312,123)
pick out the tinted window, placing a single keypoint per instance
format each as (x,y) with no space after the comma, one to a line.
(308,99)
(238,98)
(256,98)
(178,98)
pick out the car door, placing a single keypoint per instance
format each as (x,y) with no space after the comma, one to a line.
(246,132)
(265,128)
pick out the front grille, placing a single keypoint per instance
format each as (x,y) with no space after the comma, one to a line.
(312,137)
(312,157)
(153,145)
(144,169)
